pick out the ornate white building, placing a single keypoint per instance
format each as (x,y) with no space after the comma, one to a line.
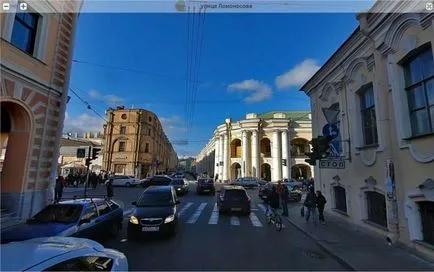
(269,145)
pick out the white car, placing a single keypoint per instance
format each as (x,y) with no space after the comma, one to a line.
(60,254)
(127,181)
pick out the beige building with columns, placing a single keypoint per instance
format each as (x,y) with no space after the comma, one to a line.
(380,83)
(269,146)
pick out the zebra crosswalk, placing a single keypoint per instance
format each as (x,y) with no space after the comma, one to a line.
(199,213)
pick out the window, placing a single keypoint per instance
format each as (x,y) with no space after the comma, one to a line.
(340,199)
(123,130)
(336,143)
(121,147)
(150,119)
(120,168)
(103,208)
(85,263)
(147,148)
(376,204)
(426,209)
(419,84)
(24,31)
(90,213)
(369,120)
(149,131)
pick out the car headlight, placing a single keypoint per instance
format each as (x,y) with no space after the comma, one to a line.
(169,219)
(134,220)
(179,189)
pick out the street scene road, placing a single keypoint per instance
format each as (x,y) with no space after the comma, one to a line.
(210,241)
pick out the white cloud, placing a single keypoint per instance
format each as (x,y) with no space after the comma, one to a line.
(109,99)
(258,90)
(82,123)
(298,75)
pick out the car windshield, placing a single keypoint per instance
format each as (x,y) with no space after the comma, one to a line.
(155,199)
(178,182)
(58,213)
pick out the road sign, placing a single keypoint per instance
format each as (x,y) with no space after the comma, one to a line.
(330,130)
(332,164)
(81,152)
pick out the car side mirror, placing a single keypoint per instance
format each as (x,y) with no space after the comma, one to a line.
(85,221)
(134,203)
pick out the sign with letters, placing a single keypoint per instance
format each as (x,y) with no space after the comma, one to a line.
(332,164)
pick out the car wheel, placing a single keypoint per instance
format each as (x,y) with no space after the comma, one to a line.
(127,184)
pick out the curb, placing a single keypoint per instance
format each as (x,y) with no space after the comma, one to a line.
(325,247)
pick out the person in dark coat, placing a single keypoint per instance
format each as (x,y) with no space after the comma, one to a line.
(109,186)
(273,199)
(320,202)
(310,203)
(58,189)
(284,198)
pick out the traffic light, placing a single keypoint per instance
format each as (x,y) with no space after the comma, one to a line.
(314,155)
(88,162)
(324,146)
(95,152)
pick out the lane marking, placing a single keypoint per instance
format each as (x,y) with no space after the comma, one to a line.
(255,210)
(255,220)
(235,221)
(197,213)
(184,209)
(262,207)
(213,220)
(128,212)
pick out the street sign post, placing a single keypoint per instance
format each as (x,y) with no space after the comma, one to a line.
(332,164)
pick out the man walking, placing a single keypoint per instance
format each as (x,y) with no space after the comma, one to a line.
(58,189)
(284,198)
(321,201)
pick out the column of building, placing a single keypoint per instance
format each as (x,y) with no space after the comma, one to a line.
(217,157)
(225,157)
(285,155)
(276,157)
(255,154)
(245,154)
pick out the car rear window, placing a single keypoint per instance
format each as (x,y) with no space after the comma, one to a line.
(205,181)
(235,194)
(178,182)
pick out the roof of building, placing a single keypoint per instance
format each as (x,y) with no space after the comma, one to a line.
(294,115)
(77,142)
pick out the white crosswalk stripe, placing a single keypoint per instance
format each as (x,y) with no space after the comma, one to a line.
(213,220)
(255,220)
(184,209)
(235,221)
(196,214)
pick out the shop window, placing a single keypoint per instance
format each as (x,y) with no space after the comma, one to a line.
(376,205)
(426,209)
(340,199)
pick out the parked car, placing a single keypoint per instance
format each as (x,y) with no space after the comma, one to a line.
(85,217)
(155,212)
(248,182)
(293,189)
(181,186)
(233,199)
(159,180)
(205,185)
(127,181)
(61,254)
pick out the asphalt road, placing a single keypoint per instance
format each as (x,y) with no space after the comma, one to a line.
(209,241)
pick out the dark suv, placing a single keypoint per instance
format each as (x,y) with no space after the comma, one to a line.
(157,181)
(205,186)
(233,199)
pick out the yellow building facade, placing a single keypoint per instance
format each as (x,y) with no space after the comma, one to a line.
(378,89)
(135,144)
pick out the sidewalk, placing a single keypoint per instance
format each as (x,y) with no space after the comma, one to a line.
(356,248)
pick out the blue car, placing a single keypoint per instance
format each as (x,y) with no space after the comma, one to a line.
(84,218)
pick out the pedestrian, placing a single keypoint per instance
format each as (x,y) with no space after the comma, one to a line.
(273,199)
(58,189)
(284,198)
(216,177)
(109,186)
(320,201)
(310,203)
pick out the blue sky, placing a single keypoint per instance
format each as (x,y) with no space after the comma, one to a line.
(248,63)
